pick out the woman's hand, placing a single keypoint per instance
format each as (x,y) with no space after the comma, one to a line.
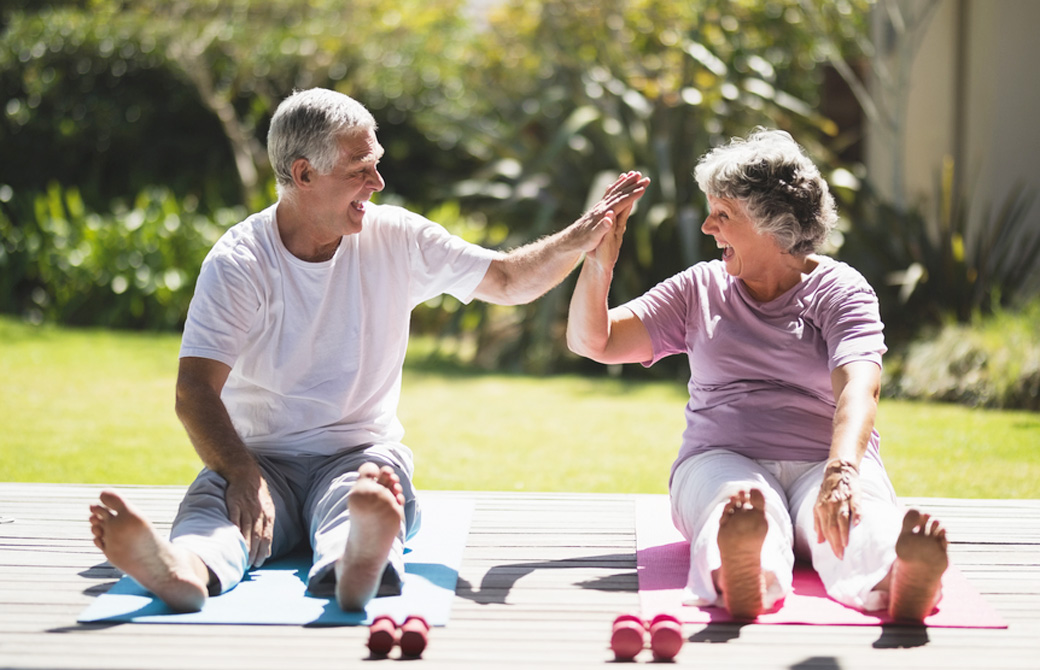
(837,505)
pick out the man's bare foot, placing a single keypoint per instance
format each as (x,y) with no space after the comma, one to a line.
(130,543)
(921,560)
(742,531)
(376,506)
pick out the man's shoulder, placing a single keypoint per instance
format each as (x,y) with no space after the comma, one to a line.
(385,217)
(246,236)
(392,224)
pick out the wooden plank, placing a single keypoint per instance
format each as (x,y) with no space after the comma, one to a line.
(542,577)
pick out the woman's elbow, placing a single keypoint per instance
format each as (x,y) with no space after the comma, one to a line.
(586,348)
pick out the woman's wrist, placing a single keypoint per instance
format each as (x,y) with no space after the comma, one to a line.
(841,465)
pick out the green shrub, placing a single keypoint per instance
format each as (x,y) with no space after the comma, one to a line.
(132,268)
(960,262)
(991,362)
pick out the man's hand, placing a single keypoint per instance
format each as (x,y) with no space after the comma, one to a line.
(251,508)
(615,205)
(526,273)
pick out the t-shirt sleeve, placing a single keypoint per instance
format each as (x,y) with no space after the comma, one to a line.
(443,263)
(850,321)
(221,312)
(664,310)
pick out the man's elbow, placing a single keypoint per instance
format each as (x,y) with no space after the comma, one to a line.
(182,399)
(499,287)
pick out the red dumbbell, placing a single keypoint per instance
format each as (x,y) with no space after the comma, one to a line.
(382,635)
(414,635)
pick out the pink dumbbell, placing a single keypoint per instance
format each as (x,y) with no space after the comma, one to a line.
(666,637)
(627,637)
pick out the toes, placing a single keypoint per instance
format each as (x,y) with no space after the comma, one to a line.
(113,502)
(387,477)
(99,514)
(369,471)
(758,499)
(911,520)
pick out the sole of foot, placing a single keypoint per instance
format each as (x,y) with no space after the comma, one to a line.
(921,560)
(742,531)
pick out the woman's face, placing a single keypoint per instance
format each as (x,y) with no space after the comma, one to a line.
(744,250)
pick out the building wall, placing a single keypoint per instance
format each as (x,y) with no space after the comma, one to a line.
(973,98)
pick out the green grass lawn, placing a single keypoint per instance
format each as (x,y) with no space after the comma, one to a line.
(93,406)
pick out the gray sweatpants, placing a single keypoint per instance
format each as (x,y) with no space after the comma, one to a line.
(310,500)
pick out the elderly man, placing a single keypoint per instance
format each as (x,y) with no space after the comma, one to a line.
(291,361)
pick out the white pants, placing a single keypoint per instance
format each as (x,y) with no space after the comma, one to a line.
(702,485)
(310,500)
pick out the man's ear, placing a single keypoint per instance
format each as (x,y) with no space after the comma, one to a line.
(302,172)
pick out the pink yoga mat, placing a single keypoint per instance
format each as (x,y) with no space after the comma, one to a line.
(663,560)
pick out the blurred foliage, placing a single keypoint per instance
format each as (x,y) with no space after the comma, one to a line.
(515,114)
(191,84)
(132,268)
(991,361)
(562,95)
(138,128)
(961,261)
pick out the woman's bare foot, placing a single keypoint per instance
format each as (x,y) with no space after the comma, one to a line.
(376,506)
(130,543)
(921,560)
(742,531)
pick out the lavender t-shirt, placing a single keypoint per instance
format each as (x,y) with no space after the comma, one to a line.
(760,380)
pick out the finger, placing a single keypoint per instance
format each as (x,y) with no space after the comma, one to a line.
(624,178)
(844,524)
(244,527)
(264,546)
(256,556)
(834,540)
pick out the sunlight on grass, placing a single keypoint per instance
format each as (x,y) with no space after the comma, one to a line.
(933,449)
(93,406)
(499,432)
(90,406)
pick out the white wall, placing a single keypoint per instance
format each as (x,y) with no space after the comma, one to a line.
(991,64)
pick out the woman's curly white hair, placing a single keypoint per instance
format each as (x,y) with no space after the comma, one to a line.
(781,189)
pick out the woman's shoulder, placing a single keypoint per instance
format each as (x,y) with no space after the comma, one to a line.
(834,274)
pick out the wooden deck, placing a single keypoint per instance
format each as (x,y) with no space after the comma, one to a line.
(542,578)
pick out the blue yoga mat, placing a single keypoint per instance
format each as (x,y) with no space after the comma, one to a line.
(277,592)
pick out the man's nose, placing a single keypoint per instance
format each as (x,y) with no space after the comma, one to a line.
(378,184)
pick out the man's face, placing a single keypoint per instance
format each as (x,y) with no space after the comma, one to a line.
(345,190)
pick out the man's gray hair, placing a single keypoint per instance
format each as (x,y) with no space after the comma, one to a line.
(307,125)
(780,187)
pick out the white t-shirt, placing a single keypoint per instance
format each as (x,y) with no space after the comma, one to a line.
(316,349)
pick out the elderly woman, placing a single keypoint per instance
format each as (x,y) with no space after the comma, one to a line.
(780,456)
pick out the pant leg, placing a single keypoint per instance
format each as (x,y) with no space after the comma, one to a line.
(203,527)
(872,542)
(700,489)
(329,518)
